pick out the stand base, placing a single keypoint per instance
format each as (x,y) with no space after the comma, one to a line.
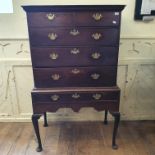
(35,118)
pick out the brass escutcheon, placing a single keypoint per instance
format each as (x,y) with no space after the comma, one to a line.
(97,96)
(55,97)
(74,32)
(75,71)
(95,76)
(53,56)
(50,16)
(96,55)
(75,51)
(52,36)
(75,96)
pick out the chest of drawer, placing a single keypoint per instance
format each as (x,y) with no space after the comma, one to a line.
(73,56)
(95,18)
(73,36)
(74,51)
(75,77)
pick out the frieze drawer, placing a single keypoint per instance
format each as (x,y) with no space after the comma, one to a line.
(74,96)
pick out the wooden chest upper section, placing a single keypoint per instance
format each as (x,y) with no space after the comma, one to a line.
(74,46)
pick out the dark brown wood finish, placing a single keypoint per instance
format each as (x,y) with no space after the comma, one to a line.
(45,19)
(75,77)
(77,56)
(73,8)
(74,36)
(74,51)
(75,106)
(42,19)
(107,19)
(75,96)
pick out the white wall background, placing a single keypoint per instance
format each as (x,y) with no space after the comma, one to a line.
(136,73)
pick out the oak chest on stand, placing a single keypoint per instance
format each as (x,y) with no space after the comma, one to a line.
(74,52)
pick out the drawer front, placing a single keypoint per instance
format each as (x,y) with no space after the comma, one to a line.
(47,19)
(74,96)
(97,18)
(73,36)
(75,76)
(74,56)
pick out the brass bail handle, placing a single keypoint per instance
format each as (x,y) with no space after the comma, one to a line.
(74,32)
(96,36)
(97,16)
(55,77)
(52,36)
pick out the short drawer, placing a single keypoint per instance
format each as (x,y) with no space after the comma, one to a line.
(75,76)
(73,36)
(47,19)
(74,96)
(97,18)
(74,56)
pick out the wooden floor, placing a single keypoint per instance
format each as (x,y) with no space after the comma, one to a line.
(78,138)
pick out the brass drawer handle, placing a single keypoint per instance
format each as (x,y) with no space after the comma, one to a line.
(52,36)
(55,97)
(96,55)
(95,76)
(74,32)
(55,77)
(97,96)
(54,56)
(97,16)
(75,71)
(75,96)
(96,36)
(50,16)
(75,51)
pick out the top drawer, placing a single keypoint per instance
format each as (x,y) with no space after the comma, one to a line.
(47,19)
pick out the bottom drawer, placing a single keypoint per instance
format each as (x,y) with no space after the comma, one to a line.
(75,76)
(74,98)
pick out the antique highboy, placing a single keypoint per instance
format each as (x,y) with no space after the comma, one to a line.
(74,52)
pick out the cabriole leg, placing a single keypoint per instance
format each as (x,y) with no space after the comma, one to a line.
(105,117)
(116,124)
(45,120)
(35,118)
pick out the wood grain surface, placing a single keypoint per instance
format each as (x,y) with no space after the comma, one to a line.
(78,138)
